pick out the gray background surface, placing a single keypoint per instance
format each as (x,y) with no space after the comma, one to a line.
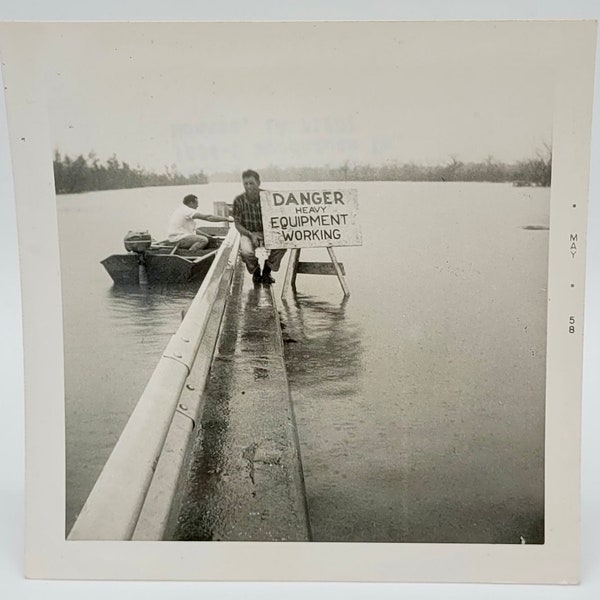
(11,440)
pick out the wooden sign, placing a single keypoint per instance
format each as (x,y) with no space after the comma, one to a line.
(317,218)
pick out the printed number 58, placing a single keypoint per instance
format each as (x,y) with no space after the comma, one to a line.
(571,324)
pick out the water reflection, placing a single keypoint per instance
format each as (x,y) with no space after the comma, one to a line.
(323,348)
(138,308)
(135,294)
(324,356)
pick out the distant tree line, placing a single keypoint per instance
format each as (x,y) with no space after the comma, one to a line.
(534,172)
(84,174)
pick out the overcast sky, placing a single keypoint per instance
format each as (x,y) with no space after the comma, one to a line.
(231,96)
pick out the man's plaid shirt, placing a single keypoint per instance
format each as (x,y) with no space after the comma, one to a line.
(247,213)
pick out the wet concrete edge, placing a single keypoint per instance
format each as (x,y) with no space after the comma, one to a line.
(219,499)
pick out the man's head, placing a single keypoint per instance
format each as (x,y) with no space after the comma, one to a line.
(191,201)
(251,181)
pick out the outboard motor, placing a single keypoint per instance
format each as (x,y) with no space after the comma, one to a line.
(139,242)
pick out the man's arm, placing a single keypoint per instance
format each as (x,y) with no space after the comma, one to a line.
(212,218)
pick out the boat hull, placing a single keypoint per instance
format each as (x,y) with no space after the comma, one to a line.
(124,269)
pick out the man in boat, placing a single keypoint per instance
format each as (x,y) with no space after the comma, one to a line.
(182,226)
(247,216)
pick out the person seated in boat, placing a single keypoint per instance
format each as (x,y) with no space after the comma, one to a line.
(182,226)
(247,216)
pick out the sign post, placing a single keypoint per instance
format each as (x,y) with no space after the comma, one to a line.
(316,218)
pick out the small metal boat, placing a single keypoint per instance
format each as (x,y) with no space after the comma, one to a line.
(147,261)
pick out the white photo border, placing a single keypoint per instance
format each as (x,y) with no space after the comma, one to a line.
(50,556)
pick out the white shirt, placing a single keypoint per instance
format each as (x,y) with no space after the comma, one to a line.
(181,223)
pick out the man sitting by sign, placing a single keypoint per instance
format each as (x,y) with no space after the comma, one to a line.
(182,227)
(247,216)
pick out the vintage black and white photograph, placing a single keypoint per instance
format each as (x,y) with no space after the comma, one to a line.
(304,278)
(407,406)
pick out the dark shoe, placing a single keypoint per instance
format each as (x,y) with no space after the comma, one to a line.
(267,279)
(256,278)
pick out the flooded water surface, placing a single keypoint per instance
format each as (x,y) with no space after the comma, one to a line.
(419,400)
